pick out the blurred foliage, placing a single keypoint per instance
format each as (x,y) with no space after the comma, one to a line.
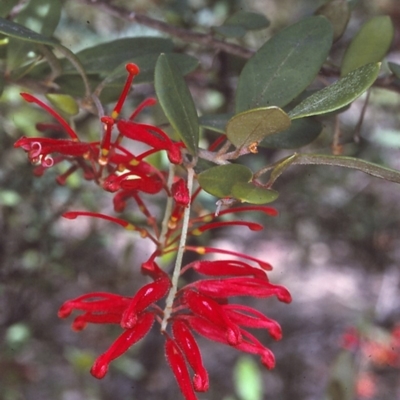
(334,225)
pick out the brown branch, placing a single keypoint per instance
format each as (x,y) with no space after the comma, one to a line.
(185,35)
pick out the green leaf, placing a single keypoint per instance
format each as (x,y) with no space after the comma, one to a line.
(18,31)
(300,133)
(72,84)
(285,65)
(64,103)
(248,379)
(338,13)
(176,101)
(248,20)
(215,122)
(252,126)
(370,45)
(105,57)
(239,23)
(147,64)
(247,192)
(339,94)
(395,68)
(233,31)
(220,180)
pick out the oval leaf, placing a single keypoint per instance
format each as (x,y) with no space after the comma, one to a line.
(239,23)
(252,126)
(18,31)
(233,31)
(338,13)
(220,180)
(105,57)
(247,192)
(370,45)
(176,101)
(300,133)
(285,65)
(248,20)
(147,64)
(64,103)
(338,95)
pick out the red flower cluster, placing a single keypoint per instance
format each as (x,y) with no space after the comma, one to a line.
(200,307)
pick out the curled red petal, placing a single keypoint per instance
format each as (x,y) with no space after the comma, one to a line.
(209,309)
(249,344)
(178,366)
(220,288)
(207,250)
(251,318)
(228,267)
(94,302)
(148,294)
(128,338)
(188,345)
(81,321)
(221,224)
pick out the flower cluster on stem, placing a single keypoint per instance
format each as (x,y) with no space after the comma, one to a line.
(200,307)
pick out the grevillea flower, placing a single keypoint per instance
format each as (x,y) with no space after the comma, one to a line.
(201,307)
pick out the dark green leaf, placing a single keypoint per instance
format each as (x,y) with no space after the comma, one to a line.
(300,133)
(239,23)
(220,180)
(338,13)
(215,122)
(18,31)
(105,57)
(252,126)
(176,101)
(339,94)
(285,65)
(370,45)
(247,192)
(233,31)
(395,68)
(147,64)
(72,84)
(248,20)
